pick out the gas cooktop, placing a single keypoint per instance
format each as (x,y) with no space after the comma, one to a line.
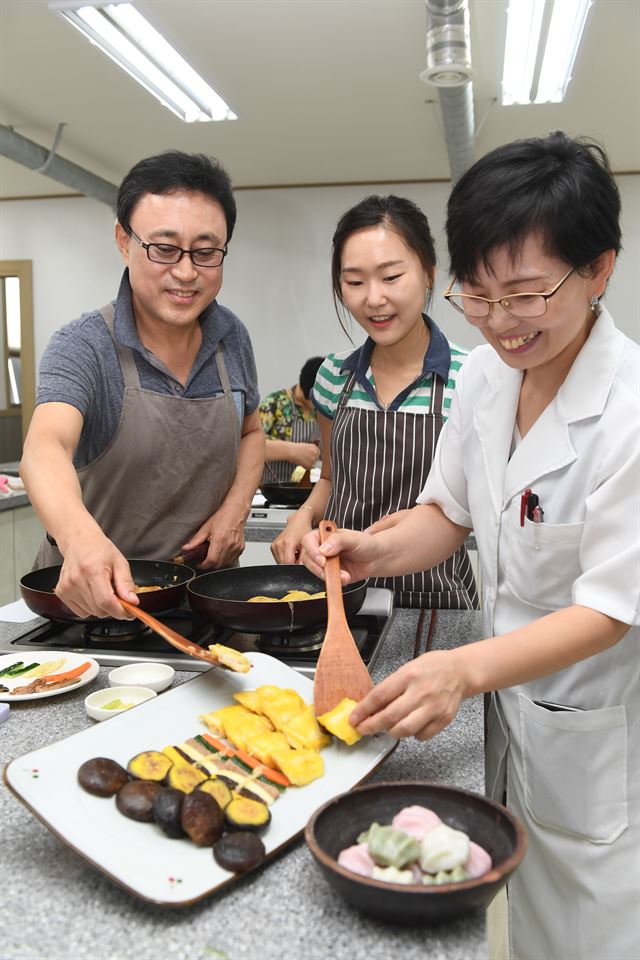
(114,642)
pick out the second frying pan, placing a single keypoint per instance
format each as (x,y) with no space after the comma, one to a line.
(222,597)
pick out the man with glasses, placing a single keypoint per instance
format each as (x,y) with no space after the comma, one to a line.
(146,441)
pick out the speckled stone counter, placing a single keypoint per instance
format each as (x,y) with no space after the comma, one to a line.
(56,906)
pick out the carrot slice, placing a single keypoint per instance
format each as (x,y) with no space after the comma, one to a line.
(250,761)
(68,675)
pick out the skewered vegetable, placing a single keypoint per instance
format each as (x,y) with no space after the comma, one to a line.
(202,818)
(102,777)
(135,799)
(238,852)
(182,775)
(218,789)
(167,812)
(150,765)
(245,814)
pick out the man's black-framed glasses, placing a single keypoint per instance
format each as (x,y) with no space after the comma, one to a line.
(524,306)
(169,253)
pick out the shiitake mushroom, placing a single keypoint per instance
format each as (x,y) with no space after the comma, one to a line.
(167,810)
(102,777)
(245,814)
(201,818)
(149,765)
(238,852)
(135,799)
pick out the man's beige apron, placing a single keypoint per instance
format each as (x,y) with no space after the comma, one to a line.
(167,469)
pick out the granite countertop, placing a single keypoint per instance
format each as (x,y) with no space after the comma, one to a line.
(56,906)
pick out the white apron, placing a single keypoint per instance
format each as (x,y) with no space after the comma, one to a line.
(571,775)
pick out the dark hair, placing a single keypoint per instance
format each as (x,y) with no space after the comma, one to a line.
(172,171)
(308,375)
(556,186)
(398,214)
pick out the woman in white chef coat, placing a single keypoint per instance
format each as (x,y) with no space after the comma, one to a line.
(540,457)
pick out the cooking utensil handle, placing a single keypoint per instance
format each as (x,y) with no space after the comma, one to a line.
(335,602)
(196,555)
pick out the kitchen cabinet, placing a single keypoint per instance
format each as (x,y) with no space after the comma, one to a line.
(20,535)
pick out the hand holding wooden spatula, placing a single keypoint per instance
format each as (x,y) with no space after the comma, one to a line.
(340,671)
(219,656)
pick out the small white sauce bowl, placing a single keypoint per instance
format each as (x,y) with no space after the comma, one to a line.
(155,676)
(95,703)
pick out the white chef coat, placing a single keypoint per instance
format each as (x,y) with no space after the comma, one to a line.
(573,776)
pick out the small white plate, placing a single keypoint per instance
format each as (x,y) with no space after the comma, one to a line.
(71,661)
(95,702)
(155,676)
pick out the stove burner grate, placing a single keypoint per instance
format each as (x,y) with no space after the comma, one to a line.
(113,631)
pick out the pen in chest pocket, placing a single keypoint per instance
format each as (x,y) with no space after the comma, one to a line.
(530,507)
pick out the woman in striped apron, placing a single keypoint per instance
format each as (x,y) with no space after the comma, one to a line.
(381,408)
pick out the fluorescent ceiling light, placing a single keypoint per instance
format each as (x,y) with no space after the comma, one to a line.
(131,42)
(542,41)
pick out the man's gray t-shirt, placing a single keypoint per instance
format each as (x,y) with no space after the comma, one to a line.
(80,366)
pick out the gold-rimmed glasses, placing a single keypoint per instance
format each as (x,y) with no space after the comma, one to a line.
(523,306)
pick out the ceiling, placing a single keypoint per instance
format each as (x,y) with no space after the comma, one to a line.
(326,91)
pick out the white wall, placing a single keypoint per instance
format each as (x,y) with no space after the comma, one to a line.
(277,275)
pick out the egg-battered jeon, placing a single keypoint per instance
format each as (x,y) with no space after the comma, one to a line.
(336,721)
(279,704)
(263,746)
(237,724)
(303,731)
(290,597)
(300,766)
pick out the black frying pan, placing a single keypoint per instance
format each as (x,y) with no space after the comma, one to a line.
(284,494)
(37,588)
(221,597)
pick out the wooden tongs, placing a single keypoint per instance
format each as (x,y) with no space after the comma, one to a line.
(225,657)
(340,671)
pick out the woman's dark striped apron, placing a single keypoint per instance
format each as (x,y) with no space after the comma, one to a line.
(380,460)
(302,431)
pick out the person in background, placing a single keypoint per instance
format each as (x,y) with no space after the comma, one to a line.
(290,426)
(381,407)
(146,439)
(540,456)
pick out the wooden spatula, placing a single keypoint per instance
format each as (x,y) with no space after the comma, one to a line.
(175,639)
(340,671)
(305,480)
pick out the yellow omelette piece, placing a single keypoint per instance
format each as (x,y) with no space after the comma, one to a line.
(218,720)
(279,704)
(230,658)
(263,746)
(300,766)
(303,731)
(336,721)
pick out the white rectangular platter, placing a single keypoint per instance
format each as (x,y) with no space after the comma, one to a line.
(138,856)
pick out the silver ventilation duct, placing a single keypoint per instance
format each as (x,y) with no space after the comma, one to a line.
(449,69)
(32,155)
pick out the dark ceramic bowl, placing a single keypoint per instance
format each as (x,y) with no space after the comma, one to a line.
(338,823)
